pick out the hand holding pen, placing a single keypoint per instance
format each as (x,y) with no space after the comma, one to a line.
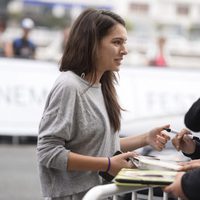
(183,140)
(189,134)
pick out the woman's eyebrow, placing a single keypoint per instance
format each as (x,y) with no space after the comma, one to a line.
(120,38)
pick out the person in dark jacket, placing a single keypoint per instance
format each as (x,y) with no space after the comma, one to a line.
(187,184)
(24,47)
(192,117)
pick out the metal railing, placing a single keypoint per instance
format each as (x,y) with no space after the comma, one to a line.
(103,191)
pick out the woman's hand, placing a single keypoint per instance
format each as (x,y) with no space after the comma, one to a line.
(175,188)
(193,164)
(121,161)
(157,138)
(183,142)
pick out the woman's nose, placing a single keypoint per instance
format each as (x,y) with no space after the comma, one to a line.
(124,51)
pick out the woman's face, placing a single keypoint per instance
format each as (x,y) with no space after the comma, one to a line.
(112,49)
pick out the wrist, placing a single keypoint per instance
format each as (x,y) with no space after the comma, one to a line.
(109,165)
(191,150)
(103,164)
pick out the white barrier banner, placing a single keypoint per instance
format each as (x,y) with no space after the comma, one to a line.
(146,93)
(156,96)
(24,86)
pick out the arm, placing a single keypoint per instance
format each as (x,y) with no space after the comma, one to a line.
(83,163)
(52,154)
(77,162)
(155,138)
(133,142)
(192,117)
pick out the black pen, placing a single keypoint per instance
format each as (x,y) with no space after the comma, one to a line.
(176,132)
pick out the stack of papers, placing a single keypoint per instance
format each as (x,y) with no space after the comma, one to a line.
(152,163)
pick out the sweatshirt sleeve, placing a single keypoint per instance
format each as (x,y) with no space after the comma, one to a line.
(196,154)
(55,128)
(192,117)
(191,184)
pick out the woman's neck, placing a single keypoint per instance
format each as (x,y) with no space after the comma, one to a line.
(89,78)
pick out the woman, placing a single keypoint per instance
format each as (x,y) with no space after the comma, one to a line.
(78,132)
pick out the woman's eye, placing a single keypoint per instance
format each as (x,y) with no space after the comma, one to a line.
(117,42)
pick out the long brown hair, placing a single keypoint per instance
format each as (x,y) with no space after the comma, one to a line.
(81,52)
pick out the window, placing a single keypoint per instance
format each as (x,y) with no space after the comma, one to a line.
(139,8)
(182,9)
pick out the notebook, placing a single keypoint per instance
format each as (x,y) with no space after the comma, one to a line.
(137,177)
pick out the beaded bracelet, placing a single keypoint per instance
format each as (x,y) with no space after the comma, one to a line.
(109,165)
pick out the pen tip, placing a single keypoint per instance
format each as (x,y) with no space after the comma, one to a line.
(167,129)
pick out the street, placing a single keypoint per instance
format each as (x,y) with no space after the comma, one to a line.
(19,179)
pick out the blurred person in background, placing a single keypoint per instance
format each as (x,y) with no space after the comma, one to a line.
(79,130)
(157,54)
(23,47)
(187,185)
(5,44)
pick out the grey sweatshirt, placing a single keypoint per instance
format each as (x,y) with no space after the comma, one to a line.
(74,119)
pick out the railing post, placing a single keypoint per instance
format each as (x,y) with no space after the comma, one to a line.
(115,197)
(165,196)
(150,194)
(134,196)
